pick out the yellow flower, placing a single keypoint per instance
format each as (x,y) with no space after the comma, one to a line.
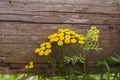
(77,35)
(82,38)
(67,40)
(72,36)
(67,36)
(43,44)
(26,67)
(61,38)
(93,27)
(31,66)
(52,35)
(96,32)
(60,43)
(61,30)
(48,46)
(41,53)
(73,40)
(47,52)
(68,33)
(56,39)
(31,62)
(95,38)
(47,43)
(42,48)
(37,50)
(72,32)
(81,42)
(61,34)
(52,40)
(55,35)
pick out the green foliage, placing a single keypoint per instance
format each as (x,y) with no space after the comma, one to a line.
(92,46)
(116,59)
(74,59)
(10,77)
(61,61)
(118,2)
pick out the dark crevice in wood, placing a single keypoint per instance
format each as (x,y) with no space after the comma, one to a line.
(75,12)
(31,22)
(10,1)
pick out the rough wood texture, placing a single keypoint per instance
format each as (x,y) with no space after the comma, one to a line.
(26,23)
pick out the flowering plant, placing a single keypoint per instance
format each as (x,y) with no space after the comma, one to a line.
(66,48)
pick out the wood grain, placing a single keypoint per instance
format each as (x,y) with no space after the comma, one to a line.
(23,39)
(24,24)
(66,18)
(88,6)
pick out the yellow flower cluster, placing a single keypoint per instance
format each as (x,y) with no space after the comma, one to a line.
(66,36)
(45,49)
(63,36)
(95,33)
(30,65)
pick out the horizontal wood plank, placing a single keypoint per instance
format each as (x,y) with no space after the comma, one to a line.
(29,29)
(98,6)
(23,53)
(18,39)
(56,17)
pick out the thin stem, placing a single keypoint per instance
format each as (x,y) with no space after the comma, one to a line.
(84,62)
(75,48)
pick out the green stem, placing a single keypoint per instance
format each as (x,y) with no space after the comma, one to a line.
(84,64)
(75,48)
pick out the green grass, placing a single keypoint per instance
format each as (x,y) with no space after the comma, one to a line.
(9,77)
(38,77)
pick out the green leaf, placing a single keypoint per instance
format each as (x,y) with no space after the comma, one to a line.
(116,59)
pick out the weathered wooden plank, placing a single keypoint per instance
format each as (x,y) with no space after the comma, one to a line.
(15,68)
(24,24)
(56,17)
(29,29)
(29,33)
(98,6)
(23,53)
(21,39)
(19,53)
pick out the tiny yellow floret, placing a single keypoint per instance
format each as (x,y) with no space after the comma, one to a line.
(37,50)
(26,67)
(48,51)
(73,40)
(31,66)
(61,38)
(67,40)
(68,33)
(41,53)
(42,48)
(43,44)
(48,46)
(56,39)
(60,43)
(81,42)
(31,62)
(52,40)
(67,36)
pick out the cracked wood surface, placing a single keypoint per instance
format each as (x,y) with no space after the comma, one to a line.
(24,24)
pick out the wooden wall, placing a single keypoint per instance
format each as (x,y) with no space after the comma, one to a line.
(24,24)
